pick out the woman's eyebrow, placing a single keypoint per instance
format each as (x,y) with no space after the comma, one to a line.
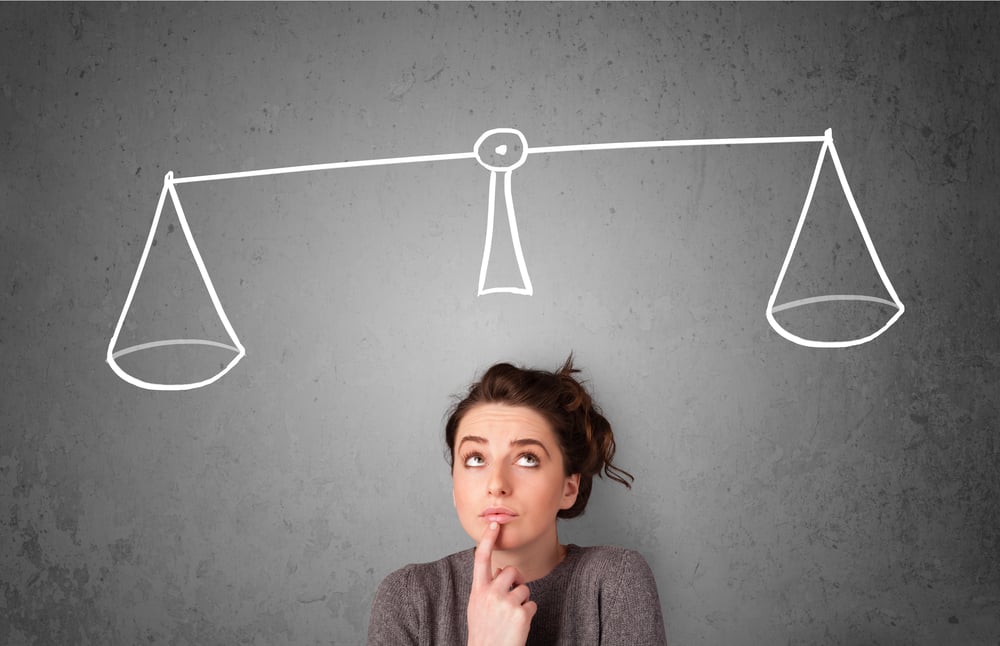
(473,438)
(522,442)
(530,441)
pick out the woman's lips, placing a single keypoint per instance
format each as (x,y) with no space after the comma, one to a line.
(498,515)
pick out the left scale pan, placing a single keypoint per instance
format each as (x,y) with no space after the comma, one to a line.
(145,362)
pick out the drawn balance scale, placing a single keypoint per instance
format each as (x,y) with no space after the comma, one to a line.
(500,151)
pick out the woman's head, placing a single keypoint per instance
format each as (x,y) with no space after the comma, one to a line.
(583,435)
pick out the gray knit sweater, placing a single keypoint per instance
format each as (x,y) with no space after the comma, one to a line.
(596,595)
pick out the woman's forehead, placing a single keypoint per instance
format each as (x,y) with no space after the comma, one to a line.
(502,419)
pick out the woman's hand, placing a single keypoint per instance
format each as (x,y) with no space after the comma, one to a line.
(499,610)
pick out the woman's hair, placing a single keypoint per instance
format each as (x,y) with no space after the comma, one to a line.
(585,436)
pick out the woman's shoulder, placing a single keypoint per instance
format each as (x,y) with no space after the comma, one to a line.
(611,565)
(630,611)
(427,577)
(607,555)
(418,598)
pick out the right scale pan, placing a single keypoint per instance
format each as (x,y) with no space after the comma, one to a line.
(832,290)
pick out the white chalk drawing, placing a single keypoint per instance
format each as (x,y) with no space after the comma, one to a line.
(502,149)
(520,150)
(829,148)
(237,347)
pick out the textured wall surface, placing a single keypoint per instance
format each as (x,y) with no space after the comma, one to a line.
(784,494)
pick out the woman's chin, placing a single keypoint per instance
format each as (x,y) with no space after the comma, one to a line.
(506,545)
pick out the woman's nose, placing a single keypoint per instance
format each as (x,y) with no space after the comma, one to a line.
(498,484)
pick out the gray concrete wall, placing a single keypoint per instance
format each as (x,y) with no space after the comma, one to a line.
(784,494)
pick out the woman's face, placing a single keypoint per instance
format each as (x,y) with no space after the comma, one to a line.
(508,468)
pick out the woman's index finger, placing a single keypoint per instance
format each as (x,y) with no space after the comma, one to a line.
(484,555)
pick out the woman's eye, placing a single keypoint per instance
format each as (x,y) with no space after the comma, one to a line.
(527,460)
(474,461)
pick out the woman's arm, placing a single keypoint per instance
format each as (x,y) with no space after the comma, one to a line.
(632,615)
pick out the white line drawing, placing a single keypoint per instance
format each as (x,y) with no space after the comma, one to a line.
(237,347)
(826,148)
(506,170)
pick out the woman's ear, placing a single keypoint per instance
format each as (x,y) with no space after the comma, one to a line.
(570,490)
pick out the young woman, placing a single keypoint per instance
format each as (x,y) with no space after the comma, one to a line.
(525,446)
